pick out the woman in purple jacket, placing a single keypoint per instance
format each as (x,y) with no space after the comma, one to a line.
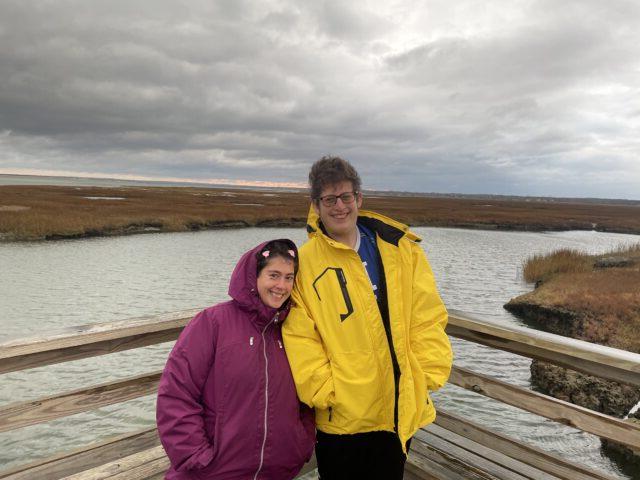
(227,406)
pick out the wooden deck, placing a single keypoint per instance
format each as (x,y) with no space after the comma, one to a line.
(452,448)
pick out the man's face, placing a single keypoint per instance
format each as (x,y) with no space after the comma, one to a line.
(339,219)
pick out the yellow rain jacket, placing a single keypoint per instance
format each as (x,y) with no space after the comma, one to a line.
(337,342)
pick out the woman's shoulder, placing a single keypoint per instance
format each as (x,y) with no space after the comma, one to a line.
(203,329)
(208,319)
(212,315)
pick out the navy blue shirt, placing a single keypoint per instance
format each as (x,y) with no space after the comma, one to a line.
(370,257)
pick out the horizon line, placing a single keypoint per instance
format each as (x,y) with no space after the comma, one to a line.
(260,183)
(142,178)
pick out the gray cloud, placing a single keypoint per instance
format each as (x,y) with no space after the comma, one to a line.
(508,97)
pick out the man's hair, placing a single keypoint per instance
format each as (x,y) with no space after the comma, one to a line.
(329,171)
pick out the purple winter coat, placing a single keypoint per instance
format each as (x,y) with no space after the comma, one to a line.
(227,406)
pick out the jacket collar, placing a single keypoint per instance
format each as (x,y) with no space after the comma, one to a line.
(388,229)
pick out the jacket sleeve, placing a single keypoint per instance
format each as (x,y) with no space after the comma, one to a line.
(429,342)
(179,413)
(307,356)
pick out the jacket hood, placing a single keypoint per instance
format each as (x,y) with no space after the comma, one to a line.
(243,286)
(384,226)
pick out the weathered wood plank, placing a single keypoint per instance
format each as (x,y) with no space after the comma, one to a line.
(590,358)
(417,468)
(62,465)
(481,458)
(141,465)
(21,414)
(85,341)
(496,460)
(125,464)
(157,476)
(552,408)
(85,351)
(149,468)
(443,465)
(536,457)
(97,455)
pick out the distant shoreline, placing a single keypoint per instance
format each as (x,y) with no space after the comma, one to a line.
(7,179)
(46,212)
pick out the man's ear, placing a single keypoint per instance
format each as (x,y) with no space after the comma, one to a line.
(359,200)
(316,207)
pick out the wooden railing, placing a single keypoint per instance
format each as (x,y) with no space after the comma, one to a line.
(100,339)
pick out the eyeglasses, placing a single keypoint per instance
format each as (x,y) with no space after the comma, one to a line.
(331,200)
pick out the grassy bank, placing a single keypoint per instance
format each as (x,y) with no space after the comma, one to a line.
(591,297)
(50,212)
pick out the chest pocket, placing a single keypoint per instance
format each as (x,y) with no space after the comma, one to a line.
(326,285)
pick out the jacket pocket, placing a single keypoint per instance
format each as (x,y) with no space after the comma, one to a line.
(324,286)
(357,385)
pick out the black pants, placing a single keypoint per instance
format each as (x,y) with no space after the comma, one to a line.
(371,456)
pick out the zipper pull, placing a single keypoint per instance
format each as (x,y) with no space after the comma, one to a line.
(251,341)
(280,343)
(275,319)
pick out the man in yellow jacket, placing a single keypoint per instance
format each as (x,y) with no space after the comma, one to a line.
(365,338)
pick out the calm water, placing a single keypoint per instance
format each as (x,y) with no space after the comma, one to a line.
(45,286)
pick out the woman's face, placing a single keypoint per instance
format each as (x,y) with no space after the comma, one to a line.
(275,281)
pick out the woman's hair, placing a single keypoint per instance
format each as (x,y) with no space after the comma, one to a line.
(329,171)
(277,248)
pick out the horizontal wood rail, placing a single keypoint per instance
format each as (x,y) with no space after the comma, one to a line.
(479,453)
(22,414)
(558,410)
(68,463)
(85,341)
(604,362)
(98,339)
(536,457)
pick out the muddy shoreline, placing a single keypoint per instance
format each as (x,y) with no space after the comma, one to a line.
(126,230)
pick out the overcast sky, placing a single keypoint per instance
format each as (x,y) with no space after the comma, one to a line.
(508,97)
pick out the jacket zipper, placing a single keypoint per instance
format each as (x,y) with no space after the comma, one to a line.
(266,393)
(383,306)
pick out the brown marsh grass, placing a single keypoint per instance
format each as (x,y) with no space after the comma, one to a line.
(49,212)
(55,212)
(606,300)
(541,267)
